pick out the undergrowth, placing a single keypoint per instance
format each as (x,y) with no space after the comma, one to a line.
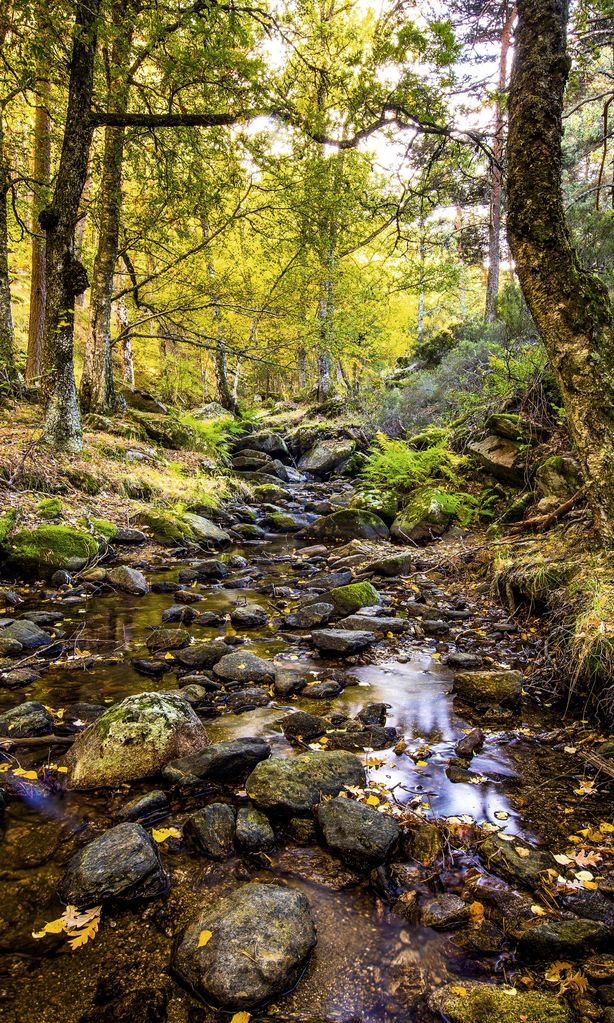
(395,467)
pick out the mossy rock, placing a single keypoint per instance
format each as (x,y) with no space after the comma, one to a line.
(348,599)
(484,1003)
(42,551)
(424,517)
(167,431)
(384,505)
(50,508)
(346,524)
(165,527)
(559,476)
(428,438)
(269,493)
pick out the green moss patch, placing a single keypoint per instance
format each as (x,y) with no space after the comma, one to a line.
(165,527)
(46,549)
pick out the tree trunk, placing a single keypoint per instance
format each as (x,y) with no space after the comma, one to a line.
(97,392)
(460,251)
(302,368)
(570,306)
(126,344)
(325,337)
(496,176)
(66,277)
(8,369)
(220,360)
(41,171)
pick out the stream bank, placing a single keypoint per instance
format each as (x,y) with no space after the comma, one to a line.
(304,631)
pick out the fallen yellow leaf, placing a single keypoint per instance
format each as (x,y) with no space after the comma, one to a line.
(203,938)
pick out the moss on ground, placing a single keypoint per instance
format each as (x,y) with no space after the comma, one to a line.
(165,526)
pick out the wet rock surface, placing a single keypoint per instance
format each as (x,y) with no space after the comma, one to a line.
(123,864)
(274,923)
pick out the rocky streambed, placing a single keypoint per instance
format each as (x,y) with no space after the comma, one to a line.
(289,770)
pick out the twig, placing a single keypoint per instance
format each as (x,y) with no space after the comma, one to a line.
(543,521)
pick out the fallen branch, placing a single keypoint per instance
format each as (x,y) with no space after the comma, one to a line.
(37,741)
(543,521)
(596,761)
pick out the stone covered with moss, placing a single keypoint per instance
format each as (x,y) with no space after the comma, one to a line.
(134,739)
(348,599)
(165,527)
(485,1003)
(40,552)
(346,524)
(425,516)
(167,431)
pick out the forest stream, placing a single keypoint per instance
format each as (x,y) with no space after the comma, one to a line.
(388,934)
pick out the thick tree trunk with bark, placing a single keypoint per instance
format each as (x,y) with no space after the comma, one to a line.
(97,392)
(496,176)
(126,344)
(66,277)
(41,170)
(8,370)
(569,305)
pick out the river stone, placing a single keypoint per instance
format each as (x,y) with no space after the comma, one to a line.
(9,647)
(378,624)
(247,699)
(347,600)
(231,760)
(525,868)
(206,531)
(469,743)
(295,786)
(26,721)
(150,807)
(130,580)
(202,654)
(310,617)
(167,639)
(268,441)
(359,833)
(502,687)
(302,726)
(326,456)
(47,549)
(275,924)
(248,616)
(346,524)
(122,863)
(134,739)
(444,912)
(470,1002)
(254,831)
(243,666)
(128,535)
(343,642)
(212,830)
(561,937)
(27,633)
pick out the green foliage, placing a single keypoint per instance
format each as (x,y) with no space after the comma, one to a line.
(214,435)
(50,508)
(7,524)
(397,469)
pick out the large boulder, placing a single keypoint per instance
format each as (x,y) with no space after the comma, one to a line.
(295,786)
(499,686)
(122,863)
(134,739)
(27,634)
(167,431)
(327,455)
(346,524)
(206,531)
(248,947)
(267,441)
(47,549)
(359,833)
(165,527)
(470,1002)
(424,517)
(502,457)
(204,653)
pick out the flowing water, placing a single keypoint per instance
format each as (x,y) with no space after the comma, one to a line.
(370,964)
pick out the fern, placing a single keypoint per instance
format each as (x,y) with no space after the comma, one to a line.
(397,469)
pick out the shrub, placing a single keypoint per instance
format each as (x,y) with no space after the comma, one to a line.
(397,469)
